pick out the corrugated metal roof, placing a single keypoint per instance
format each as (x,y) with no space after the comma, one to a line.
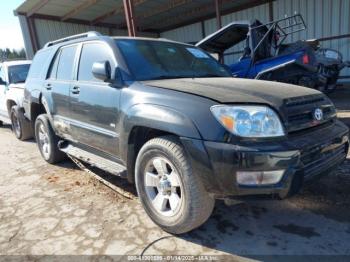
(154,15)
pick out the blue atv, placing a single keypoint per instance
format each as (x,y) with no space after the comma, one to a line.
(265,56)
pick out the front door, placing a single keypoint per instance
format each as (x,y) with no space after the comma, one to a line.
(95,104)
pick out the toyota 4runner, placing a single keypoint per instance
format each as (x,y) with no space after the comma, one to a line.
(172,120)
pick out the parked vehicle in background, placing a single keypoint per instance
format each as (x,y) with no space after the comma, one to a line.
(13,75)
(266,56)
(172,120)
(330,63)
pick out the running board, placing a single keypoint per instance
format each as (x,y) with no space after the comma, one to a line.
(92,159)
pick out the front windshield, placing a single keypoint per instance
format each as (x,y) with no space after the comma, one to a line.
(165,60)
(18,73)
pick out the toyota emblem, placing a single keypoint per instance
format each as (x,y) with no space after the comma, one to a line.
(318,114)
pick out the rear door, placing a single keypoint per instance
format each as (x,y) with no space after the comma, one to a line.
(94,103)
(57,87)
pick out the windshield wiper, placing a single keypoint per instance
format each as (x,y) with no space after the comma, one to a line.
(166,77)
(209,75)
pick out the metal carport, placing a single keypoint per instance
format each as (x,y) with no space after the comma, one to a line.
(45,20)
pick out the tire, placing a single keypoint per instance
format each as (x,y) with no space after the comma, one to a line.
(177,202)
(21,126)
(47,140)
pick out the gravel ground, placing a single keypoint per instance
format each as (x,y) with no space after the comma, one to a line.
(47,209)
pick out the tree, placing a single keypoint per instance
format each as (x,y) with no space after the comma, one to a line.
(12,54)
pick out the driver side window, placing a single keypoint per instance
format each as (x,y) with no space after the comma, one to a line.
(91,53)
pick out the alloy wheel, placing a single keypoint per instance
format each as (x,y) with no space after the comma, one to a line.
(44,141)
(16,125)
(163,186)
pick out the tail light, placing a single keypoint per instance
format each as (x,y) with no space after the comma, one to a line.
(306,59)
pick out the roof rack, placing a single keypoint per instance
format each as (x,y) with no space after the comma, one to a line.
(72,37)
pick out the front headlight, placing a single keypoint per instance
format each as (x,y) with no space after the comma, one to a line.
(249,121)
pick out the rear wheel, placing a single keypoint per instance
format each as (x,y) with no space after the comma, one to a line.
(47,140)
(169,191)
(21,126)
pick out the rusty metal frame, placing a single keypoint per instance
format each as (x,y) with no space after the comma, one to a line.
(186,19)
(84,5)
(32,33)
(129,17)
(217,14)
(37,7)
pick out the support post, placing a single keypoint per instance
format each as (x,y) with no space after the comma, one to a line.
(32,34)
(218,15)
(129,17)
(271,15)
(203,28)
(218,25)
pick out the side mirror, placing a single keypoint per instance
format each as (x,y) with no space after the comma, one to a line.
(102,71)
(2,82)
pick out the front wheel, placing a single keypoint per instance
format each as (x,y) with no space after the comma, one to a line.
(47,140)
(172,195)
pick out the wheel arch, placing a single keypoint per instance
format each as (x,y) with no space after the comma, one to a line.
(9,104)
(145,122)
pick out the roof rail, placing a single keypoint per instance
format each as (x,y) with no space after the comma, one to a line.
(72,37)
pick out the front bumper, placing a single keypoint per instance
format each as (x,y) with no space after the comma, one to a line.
(304,157)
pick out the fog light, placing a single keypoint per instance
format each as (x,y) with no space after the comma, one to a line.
(250,178)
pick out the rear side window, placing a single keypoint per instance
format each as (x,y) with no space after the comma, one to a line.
(66,63)
(38,64)
(91,53)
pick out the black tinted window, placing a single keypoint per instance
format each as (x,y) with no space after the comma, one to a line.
(159,60)
(66,63)
(39,62)
(18,73)
(91,53)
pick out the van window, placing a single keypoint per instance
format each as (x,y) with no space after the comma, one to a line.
(66,63)
(91,53)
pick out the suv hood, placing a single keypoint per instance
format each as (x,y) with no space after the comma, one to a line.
(235,90)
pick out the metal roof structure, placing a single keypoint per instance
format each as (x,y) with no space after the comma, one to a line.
(188,21)
(149,15)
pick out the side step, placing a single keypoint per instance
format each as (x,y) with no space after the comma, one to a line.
(93,160)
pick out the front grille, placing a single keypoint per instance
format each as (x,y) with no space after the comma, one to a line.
(315,161)
(299,112)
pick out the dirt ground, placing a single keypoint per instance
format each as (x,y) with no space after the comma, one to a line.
(47,209)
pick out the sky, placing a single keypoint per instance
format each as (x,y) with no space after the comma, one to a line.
(10,30)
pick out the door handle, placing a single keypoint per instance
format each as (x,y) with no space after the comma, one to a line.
(48,86)
(76,90)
